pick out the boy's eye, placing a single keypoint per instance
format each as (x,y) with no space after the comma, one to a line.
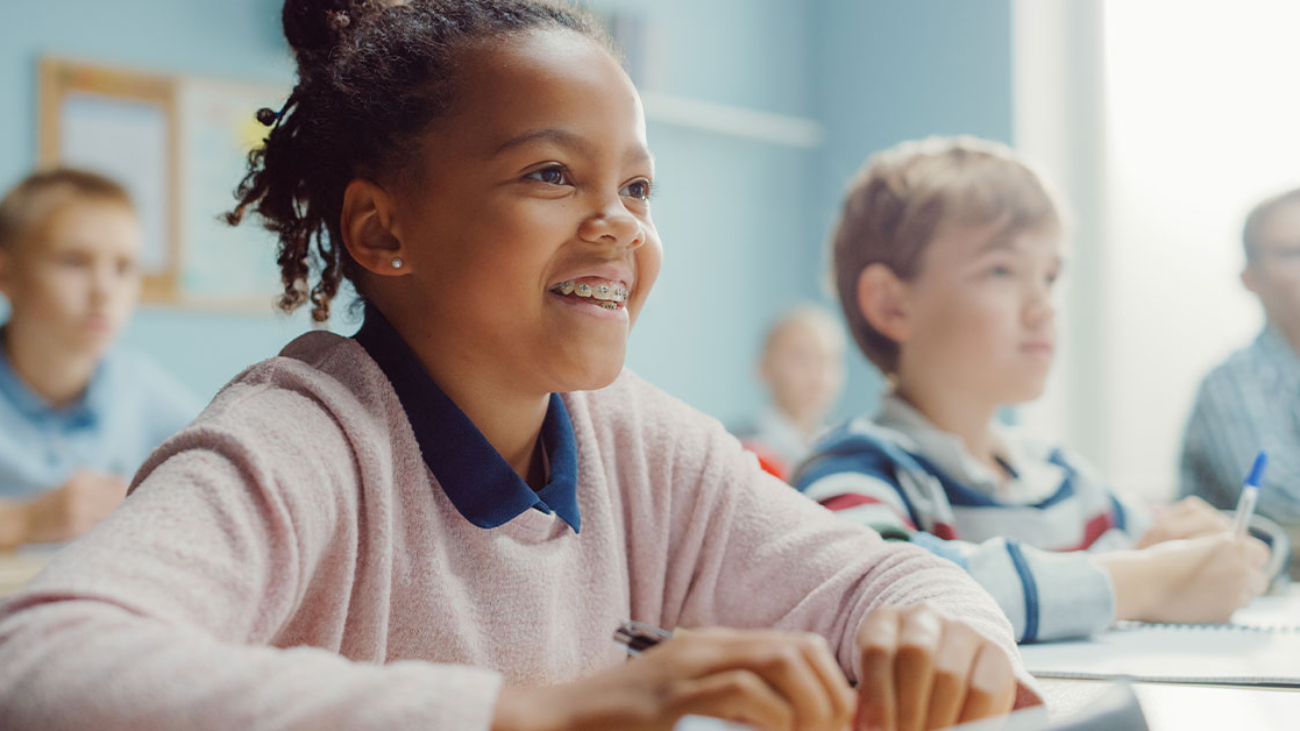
(1000,271)
(73,259)
(639,190)
(551,175)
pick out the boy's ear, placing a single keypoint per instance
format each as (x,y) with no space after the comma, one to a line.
(367,221)
(1248,279)
(882,300)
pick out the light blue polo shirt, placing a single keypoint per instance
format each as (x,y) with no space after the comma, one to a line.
(129,408)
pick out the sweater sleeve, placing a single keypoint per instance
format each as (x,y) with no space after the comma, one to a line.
(1046,595)
(161,616)
(761,555)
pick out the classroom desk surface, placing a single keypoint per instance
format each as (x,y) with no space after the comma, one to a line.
(16,567)
(1174,707)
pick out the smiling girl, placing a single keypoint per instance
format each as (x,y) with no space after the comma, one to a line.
(440,522)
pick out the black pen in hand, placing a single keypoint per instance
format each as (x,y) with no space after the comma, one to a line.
(638,637)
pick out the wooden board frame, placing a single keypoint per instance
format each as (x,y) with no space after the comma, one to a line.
(60,78)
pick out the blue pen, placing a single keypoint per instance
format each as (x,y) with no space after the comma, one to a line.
(1249,494)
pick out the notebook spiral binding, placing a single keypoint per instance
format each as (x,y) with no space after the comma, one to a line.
(1223,627)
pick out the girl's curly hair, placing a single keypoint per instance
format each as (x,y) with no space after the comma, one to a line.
(372,75)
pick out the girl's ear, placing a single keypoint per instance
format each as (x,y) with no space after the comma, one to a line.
(6,274)
(367,222)
(882,300)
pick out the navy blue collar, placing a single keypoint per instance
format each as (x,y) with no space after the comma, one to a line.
(477,480)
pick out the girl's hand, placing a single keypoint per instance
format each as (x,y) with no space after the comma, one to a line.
(773,681)
(1190,517)
(921,670)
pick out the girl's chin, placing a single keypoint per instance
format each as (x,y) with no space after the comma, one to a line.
(592,376)
(599,380)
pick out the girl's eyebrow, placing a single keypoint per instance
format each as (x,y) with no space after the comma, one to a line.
(568,139)
(555,135)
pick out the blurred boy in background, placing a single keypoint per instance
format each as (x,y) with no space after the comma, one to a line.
(802,366)
(77,417)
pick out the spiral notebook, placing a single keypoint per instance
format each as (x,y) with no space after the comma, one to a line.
(1260,647)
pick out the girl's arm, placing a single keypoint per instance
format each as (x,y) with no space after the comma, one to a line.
(749,551)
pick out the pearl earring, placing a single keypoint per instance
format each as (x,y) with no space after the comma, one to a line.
(397,262)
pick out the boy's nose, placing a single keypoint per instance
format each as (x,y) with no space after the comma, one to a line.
(1040,309)
(103,282)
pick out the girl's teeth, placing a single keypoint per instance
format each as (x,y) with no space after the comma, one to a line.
(604,293)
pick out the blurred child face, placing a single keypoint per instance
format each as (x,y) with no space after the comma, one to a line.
(981,319)
(535,193)
(74,278)
(1274,272)
(804,367)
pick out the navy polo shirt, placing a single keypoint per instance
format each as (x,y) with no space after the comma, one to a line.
(475,477)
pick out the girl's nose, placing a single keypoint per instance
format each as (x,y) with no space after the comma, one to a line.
(613,225)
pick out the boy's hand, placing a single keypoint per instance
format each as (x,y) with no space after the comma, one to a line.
(73,508)
(1193,581)
(922,670)
(1190,517)
(773,681)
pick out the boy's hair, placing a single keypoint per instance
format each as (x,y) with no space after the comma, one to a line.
(804,315)
(372,75)
(1259,216)
(904,196)
(30,201)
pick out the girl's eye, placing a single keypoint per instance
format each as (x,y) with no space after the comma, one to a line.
(72,260)
(551,175)
(639,190)
(1000,271)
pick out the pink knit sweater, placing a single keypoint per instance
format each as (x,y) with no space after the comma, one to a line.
(288,561)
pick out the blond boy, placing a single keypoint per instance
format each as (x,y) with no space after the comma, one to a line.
(945,259)
(76,417)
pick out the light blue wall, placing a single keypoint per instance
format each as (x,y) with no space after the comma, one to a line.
(885,72)
(743,222)
(733,214)
(233,38)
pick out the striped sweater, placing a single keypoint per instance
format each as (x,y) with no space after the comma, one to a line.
(1028,540)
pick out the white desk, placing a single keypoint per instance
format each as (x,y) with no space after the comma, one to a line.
(1170,707)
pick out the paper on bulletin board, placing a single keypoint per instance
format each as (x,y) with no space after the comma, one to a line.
(220,263)
(127,141)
